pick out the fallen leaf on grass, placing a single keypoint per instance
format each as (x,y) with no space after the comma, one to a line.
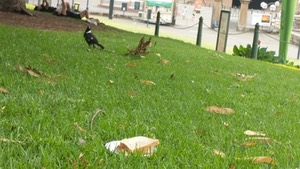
(132,93)
(31,71)
(164,61)
(253,133)
(132,64)
(232,166)
(56,78)
(42,92)
(219,110)
(80,156)
(219,153)
(3,90)
(80,162)
(10,141)
(248,144)
(268,160)
(243,77)
(262,139)
(147,82)
(262,159)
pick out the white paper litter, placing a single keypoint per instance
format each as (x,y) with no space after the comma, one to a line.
(140,143)
(112,146)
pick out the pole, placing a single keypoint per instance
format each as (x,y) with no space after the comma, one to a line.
(298,55)
(73,5)
(87,5)
(174,12)
(157,24)
(57,3)
(288,9)
(199,34)
(111,9)
(255,42)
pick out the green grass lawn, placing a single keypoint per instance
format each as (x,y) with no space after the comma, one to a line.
(44,113)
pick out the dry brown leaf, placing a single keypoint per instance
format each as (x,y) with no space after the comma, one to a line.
(248,144)
(3,90)
(147,82)
(10,141)
(262,139)
(243,77)
(219,153)
(219,110)
(268,160)
(53,80)
(262,159)
(42,92)
(31,71)
(253,133)
(232,166)
(132,93)
(80,156)
(132,64)
(164,61)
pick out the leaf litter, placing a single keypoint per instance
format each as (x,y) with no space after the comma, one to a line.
(243,77)
(30,71)
(219,110)
(147,82)
(219,153)
(261,159)
(164,61)
(253,133)
(3,90)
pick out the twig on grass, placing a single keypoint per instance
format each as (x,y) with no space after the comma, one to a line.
(94,116)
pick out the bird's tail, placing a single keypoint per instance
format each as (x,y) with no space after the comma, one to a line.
(101,46)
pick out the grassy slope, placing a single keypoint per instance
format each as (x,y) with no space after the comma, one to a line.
(42,111)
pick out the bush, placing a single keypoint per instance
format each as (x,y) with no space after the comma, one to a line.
(262,53)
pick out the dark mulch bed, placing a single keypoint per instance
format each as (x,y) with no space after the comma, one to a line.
(45,21)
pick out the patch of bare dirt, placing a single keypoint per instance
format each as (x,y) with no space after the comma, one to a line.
(45,21)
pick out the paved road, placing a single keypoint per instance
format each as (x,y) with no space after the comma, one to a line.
(186,29)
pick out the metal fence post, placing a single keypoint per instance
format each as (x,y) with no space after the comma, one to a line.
(157,24)
(255,42)
(298,54)
(111,9)
(199,34)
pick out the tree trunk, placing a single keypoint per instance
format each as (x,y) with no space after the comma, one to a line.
(14,6)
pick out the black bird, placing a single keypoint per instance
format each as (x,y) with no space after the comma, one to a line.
(90,38)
